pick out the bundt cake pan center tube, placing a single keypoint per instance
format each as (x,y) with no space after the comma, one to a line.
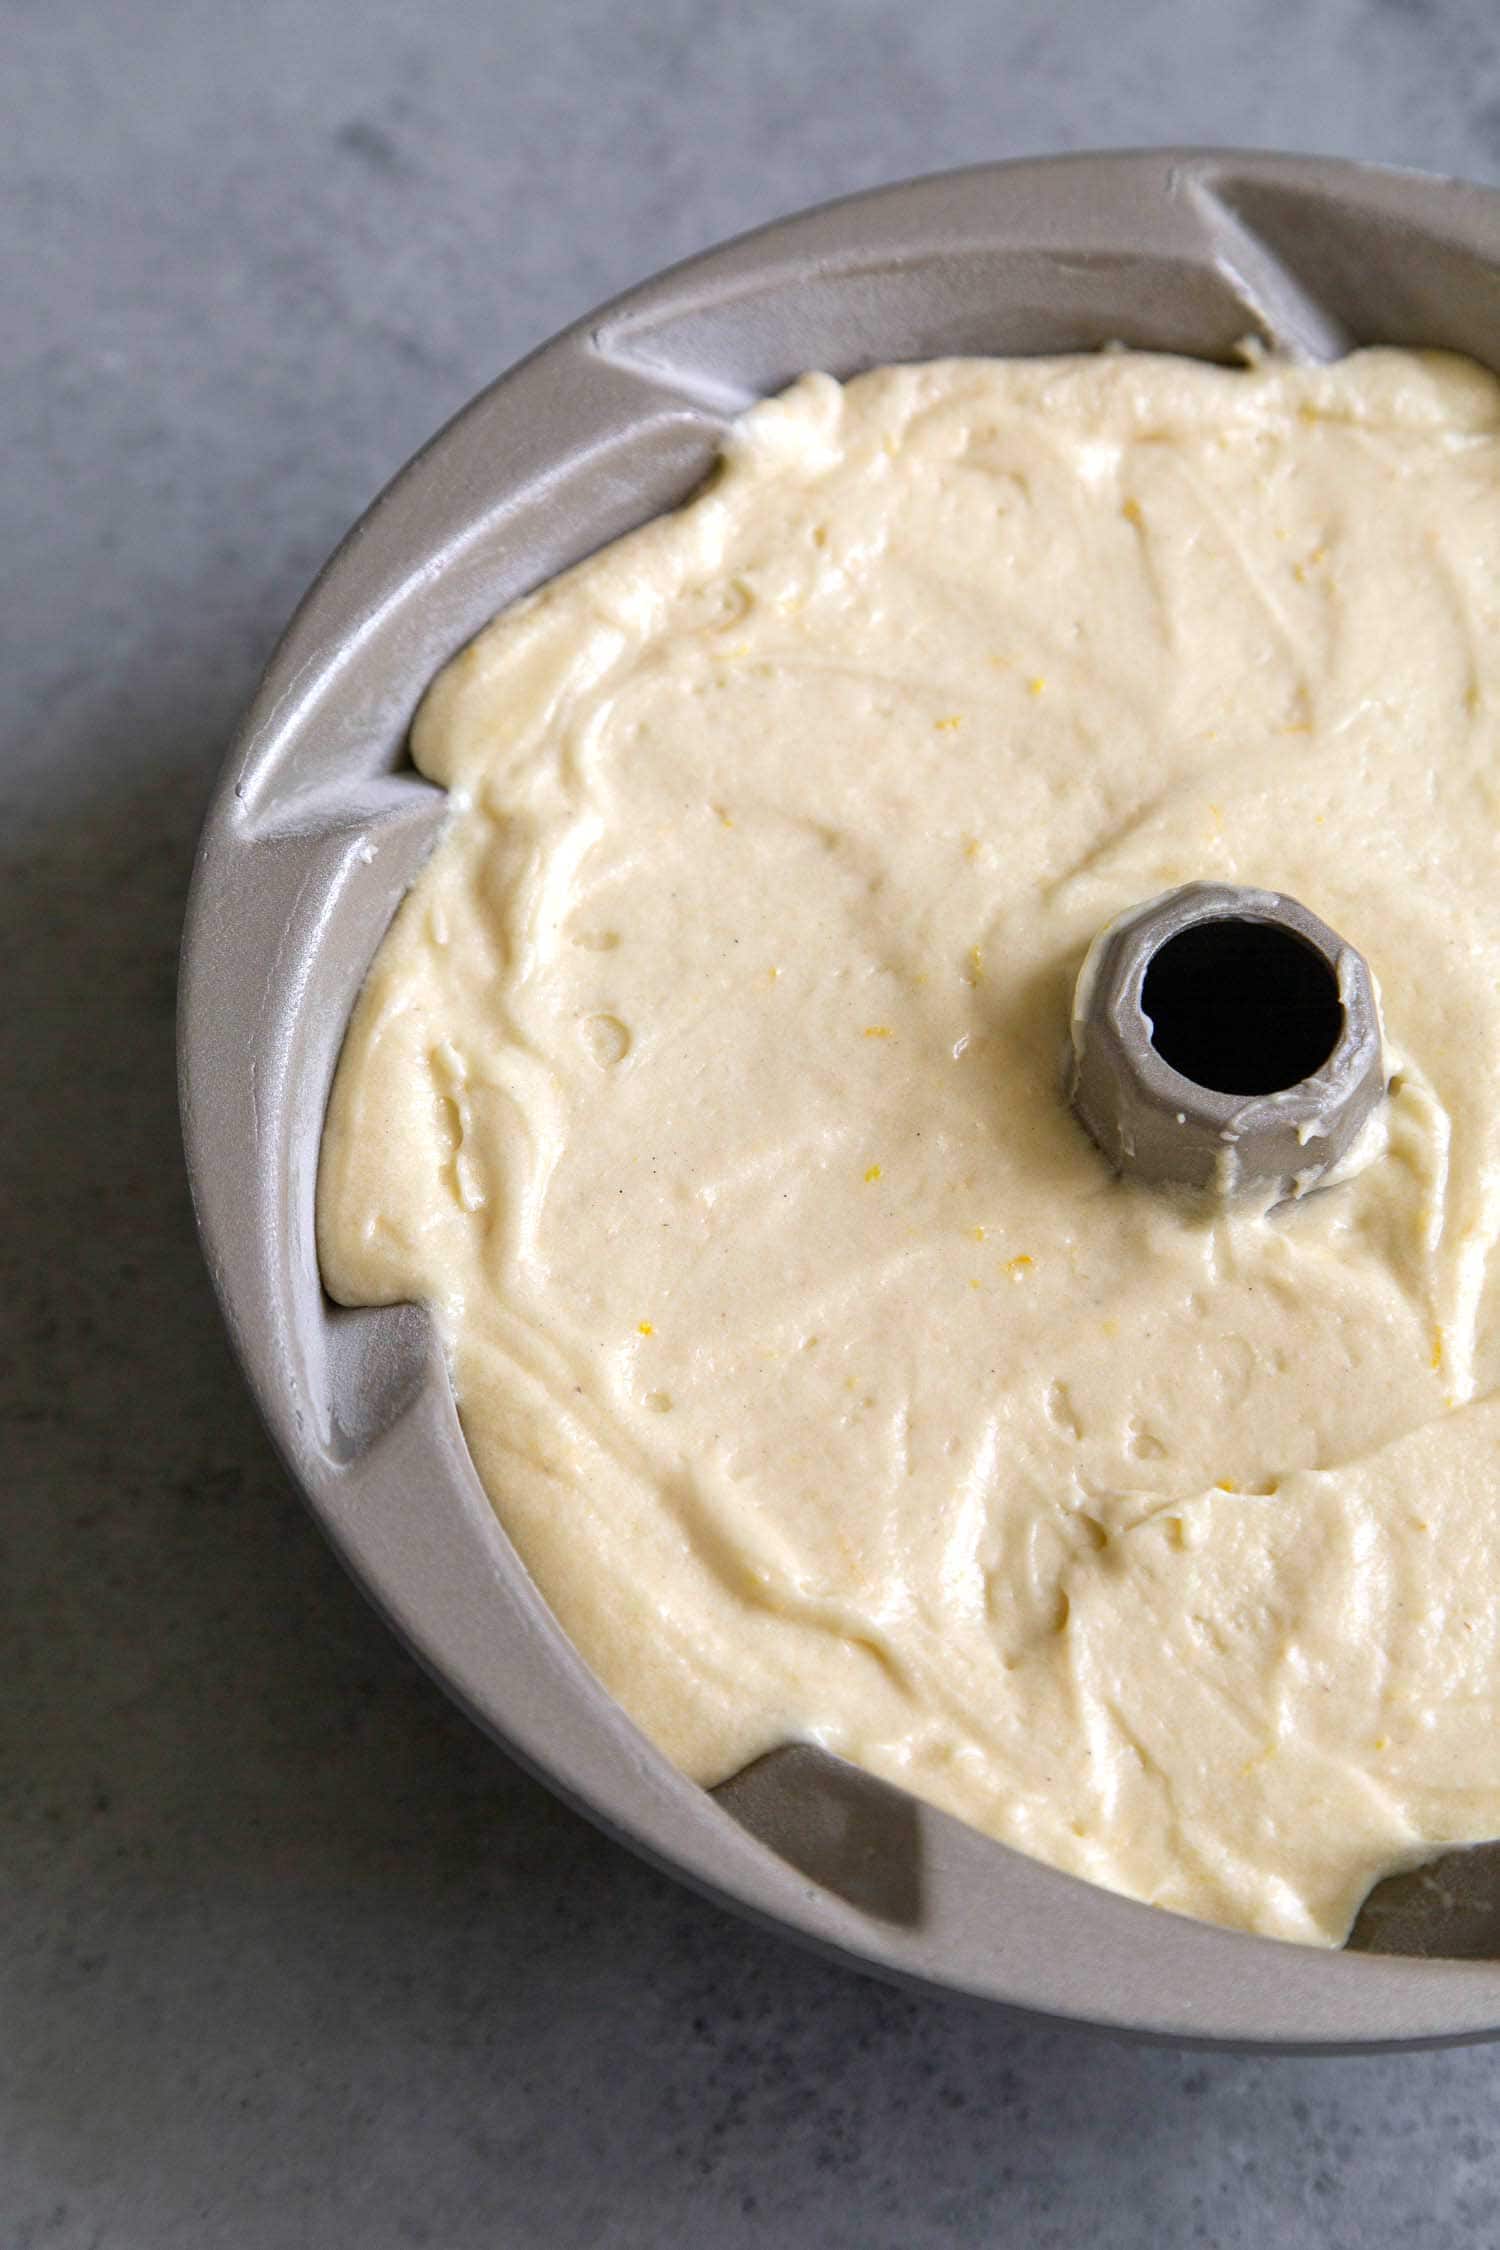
(319,824)
(1226,1041)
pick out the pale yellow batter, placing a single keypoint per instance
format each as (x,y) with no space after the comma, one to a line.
(708,1088)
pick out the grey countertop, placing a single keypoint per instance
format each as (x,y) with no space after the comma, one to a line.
(289,1955)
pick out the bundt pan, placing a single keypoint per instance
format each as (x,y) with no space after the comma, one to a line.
(320,823)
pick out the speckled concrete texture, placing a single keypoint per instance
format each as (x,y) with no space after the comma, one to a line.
(290,1958)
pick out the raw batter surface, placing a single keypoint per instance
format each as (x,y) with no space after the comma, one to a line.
(707,1087)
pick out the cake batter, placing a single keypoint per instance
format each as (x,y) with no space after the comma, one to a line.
(708,1088)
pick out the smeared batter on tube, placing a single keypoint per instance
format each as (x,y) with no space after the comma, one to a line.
(707,1087)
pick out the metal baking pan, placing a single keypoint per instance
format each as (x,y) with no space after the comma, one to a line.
(319,824)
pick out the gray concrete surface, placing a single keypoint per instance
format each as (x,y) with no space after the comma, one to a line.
(291,1959)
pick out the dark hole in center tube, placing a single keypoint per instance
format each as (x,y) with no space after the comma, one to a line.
(1242,1007)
